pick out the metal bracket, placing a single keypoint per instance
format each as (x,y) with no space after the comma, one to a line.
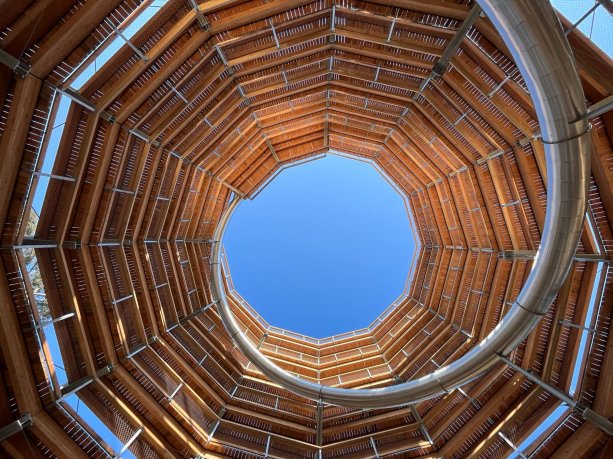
(16,426)
(108,117)
(21,68)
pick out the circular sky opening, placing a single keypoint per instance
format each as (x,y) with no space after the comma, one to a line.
(324,249)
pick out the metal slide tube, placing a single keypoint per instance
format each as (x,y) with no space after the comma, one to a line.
(531,31)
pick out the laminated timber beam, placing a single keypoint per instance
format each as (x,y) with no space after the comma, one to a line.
(498,429)
(445,145)
(158,78)
(603,176)
(13,141)
(15,427)
(273,28)
(67,280)
(588,434)
(304,78)
(99,180)
(158,152)
(226,173)
(412,130)
(532,192)
(593,64)
(469,399)
(17,361)
(401,44)
(254,69)
(516,197)
(376,66)
(192,141)
(449,10)
(62,40)
(249,137)
(52,436)
(586,413)
(181,300)
(111,221)
(456,83)
(226,406)
(156,441)
(477,55)
(459,121)
(167,119)
(178,29)
(30,27)
(174,428)
(198,209)
(137,178)
(254,14)
(452,46)
(581,293)
(338,11)
(189,370)
(97,306)
(442,133)
(510,390)
(147,307)
(176,206)
(389,56)
(180,167)
(442,259)
(466,284)
(297,40)
(403,430)
(211,6)
(462,64)
(46,431)
(560,303)
(420,156)
(20,448)
(582,440)
(399,21)
(242,18)
(69,196)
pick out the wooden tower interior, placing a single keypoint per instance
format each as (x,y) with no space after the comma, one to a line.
(122,141)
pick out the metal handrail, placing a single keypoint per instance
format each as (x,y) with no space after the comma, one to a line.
(531,31)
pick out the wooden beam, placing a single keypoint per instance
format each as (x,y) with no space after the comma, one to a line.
(53,437)
(17,361)
(13,141)
(63,40)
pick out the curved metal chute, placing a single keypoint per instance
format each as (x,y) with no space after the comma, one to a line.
(532,32)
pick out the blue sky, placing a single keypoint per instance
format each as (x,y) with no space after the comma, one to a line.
(324,249)
(598,26)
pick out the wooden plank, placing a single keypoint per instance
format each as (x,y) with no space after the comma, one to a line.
(178,29)
(584,438)
(99,181)
(33,23)
(17,361)
(14,138)
(97,306)
(450,10)
(52,436)
(152,437)
(158,78)
(602,152)
(62,40)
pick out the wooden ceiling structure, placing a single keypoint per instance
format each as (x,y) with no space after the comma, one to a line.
(205,104)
